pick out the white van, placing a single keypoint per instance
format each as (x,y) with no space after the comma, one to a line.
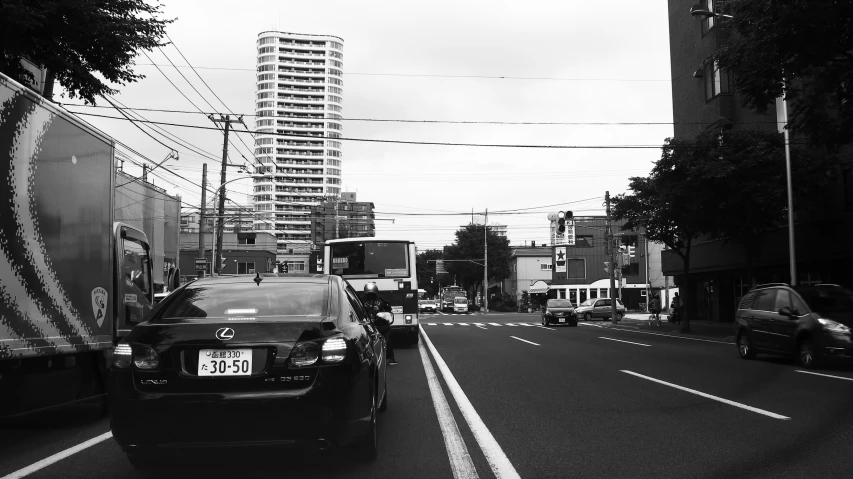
(460,304)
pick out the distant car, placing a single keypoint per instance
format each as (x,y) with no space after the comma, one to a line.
(460,304)
(426,305)
(812,322)
(599,308)
(560,311)
(289,361)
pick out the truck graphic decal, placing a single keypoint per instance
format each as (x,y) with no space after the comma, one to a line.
(35,311)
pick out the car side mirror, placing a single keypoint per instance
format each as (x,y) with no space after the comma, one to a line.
(786,311)
(386,316)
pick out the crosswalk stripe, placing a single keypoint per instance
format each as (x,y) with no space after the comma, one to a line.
(510,324)
(448,324)
(525,324)
(496,324)
(462,324)
(430,324)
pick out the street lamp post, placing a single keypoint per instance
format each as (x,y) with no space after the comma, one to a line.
(700,13)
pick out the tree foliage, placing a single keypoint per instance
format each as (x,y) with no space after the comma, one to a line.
(809,44)
(469,246)
(75,39)
(426,270)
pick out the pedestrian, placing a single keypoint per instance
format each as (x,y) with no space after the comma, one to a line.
(676,308)
(374,306)
(655,307)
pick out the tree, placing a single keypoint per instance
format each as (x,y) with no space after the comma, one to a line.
(744,171)
(665,207)
(426,270)
(809,44)
(469,246)
(74,39)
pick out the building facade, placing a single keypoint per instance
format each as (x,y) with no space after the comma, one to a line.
(528,264)
(299,95)
(702,96)
(238,219)
(245,253)
(343,218)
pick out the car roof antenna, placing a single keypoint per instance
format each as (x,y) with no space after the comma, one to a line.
(258,279)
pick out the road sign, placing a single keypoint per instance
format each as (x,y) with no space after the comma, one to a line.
(202,265)
(439,266)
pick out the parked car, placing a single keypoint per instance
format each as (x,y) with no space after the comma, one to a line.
(427,305)
(289,361)
(560,311)
(812,323)
(599,308)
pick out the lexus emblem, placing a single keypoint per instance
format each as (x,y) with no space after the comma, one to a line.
(224,333)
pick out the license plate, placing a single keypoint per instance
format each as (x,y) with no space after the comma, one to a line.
(562,320)
(225,362)
(397,309)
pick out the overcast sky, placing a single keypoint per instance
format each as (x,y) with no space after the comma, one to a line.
(581,62)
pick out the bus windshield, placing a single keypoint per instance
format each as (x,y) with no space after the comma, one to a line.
(370,259)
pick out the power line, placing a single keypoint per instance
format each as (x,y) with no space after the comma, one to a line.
(429,75)
(436,143)
(462,122)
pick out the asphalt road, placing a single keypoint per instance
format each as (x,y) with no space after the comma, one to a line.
(501,400)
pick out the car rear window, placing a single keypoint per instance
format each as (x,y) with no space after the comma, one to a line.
(557,303)
(245,301)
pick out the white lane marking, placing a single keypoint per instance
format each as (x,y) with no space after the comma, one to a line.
(544,327)
(460,460)
(709,396)
(824,375)
(588,324)
(526,341)
(430,324)
(448,324)
(495,456)
(479,325)
(462,324)
(629,342)
(525,324)
(672,336)
(510,324)
(496,324)
(57,457)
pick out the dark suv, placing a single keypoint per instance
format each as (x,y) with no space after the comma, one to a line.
(811,322)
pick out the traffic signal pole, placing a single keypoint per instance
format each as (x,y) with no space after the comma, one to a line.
(486,263)
(609,235)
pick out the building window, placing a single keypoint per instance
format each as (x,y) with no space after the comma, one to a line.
(576,268)
(246,268)
(602,293)
(246,241)
(266,76)
(709,23)
(593,293)
(295,266)
(546,267)
(717,81)
(185,221)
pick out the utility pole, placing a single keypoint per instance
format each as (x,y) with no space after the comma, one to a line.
(145,173)
(648,273)
(337,222)
(201,218)
(609,235)
(486,263)
(227,120)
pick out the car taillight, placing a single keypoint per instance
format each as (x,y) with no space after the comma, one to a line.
(334,350)
(122,356)
(305,354)
(144,357)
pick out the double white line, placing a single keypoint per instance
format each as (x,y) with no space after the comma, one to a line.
(460,459)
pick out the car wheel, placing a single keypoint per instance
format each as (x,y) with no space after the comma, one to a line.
(369,442)
(587,317)
(142,459)
(807,354)
(384,405)
(744,346)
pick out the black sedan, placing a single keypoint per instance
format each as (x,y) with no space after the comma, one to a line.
(267,360)
(560,311)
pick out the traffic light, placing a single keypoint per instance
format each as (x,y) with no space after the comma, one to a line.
(631,252)
(561,222)
(569,215)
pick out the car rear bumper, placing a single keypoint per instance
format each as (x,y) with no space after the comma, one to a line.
(300,418)
(561,319)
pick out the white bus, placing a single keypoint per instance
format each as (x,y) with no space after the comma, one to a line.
(390,263)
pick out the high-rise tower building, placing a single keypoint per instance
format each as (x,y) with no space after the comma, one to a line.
(298,112)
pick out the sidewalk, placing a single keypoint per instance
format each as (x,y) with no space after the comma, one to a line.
(710,329)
